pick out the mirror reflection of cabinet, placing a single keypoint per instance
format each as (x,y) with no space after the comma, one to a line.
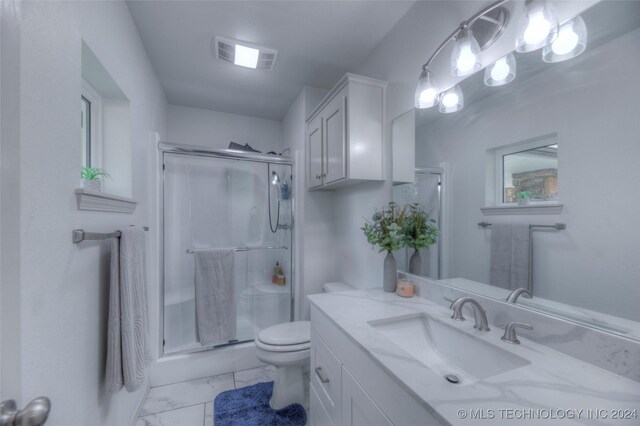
(403,142)
(344,135)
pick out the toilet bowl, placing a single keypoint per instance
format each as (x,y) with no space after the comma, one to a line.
(287,347)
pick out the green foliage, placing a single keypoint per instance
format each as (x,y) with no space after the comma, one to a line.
(420,229)
(524,195)
(393,228)
(90,173)
(387,228)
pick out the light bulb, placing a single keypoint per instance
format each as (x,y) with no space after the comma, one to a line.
(567,41)
(426,94)
(451,100)
(501,71)
(465,58)
(571,41)
(538,26)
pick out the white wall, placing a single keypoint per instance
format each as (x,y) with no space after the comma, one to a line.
(63,287)
(193,126)
(314,236)
(592,103)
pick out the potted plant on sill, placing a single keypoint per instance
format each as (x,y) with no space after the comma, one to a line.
(524,197)
(420,232)
(386,231)
(91,178)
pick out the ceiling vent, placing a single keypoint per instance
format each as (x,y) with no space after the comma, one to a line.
(224,49)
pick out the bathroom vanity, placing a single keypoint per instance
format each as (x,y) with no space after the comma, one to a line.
(380,359)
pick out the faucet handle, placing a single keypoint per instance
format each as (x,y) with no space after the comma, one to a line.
(510,336)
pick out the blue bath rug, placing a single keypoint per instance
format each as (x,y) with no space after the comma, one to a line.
(249,406)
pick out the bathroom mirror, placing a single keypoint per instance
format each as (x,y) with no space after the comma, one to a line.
(558,145)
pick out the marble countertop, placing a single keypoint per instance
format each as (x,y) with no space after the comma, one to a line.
(552,388)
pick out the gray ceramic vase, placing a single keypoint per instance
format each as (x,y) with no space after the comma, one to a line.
(415,263)
(390,279)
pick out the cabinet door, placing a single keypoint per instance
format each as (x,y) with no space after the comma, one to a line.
(358,409)
(335,135)
(317,414)
(315,162)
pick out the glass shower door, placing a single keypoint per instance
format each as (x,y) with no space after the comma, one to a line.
(212,202)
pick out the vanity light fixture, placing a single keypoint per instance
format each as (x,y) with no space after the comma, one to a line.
(472,36)
(451,100)
(501,72)
(571,41)
(538,28)
(465,59)
(427,92)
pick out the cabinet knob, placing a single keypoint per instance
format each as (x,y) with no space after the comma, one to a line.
(318,176)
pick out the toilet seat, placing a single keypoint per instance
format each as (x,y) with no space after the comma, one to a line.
(287,334)
(282,348)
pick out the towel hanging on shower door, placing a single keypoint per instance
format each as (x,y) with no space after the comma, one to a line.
(216,320)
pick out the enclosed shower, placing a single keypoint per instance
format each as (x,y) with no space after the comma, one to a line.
(226,199)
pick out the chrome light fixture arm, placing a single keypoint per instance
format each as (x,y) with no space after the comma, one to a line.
(462,26)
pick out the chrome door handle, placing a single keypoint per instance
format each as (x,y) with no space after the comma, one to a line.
(320,376)
(34,413)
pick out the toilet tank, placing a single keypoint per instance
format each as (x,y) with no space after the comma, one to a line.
(335,286)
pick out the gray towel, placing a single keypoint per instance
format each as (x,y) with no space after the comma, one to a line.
(215,296)
(127,328)
(510,256)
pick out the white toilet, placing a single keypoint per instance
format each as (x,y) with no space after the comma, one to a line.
(287,347)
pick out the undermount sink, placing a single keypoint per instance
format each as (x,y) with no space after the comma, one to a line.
(447,350)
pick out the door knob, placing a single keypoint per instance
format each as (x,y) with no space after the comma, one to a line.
(34,413)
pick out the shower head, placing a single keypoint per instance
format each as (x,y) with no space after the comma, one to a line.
(275,179)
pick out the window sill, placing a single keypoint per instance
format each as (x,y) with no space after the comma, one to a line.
(523,210)
(101,202)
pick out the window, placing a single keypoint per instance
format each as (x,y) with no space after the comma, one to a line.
(90,126)
(527,172)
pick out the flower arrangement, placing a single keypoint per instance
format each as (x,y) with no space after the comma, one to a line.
(393,228)
(387,228)
(420,228)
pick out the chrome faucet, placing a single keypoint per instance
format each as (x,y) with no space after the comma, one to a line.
(480,315)
(510,332)
(513,296)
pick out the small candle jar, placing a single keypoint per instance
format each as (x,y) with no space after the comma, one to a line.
(405,288)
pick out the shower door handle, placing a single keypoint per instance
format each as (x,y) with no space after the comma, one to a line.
(34,413)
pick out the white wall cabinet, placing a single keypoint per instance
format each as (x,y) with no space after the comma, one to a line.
(349,389)
(345,135)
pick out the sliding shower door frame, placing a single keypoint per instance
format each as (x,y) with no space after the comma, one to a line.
(227,154)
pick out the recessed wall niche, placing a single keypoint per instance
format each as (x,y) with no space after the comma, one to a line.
(106,126)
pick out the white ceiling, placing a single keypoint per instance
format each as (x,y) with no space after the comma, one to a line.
(317,42)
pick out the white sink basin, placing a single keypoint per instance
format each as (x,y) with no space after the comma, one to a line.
(446,349)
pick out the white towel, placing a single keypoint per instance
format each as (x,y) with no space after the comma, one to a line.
(127,339)
(215,296)
(510,256)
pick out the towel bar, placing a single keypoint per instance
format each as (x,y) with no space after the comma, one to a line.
(79,235)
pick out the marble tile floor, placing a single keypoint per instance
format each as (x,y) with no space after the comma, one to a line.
(191,403)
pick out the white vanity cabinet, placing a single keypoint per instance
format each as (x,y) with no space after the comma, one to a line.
(349,389)
(345,134)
